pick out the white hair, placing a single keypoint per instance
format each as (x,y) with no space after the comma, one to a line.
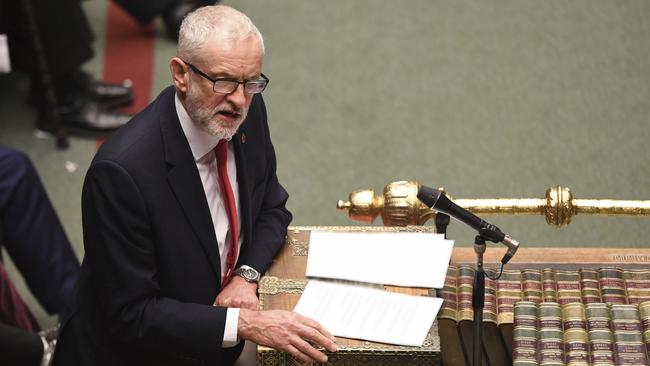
(220,21)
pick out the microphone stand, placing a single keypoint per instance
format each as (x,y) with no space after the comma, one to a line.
(478,300)
(478,287)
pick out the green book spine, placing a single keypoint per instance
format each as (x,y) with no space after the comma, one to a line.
(450,341)
(637,285)
(574,324)
(612,287)
(549,286)
(525,337)
(629,348)
(508,293)
(644,313)
(568,287)
(550,334)
(601,347)
(589,285)
(531,282)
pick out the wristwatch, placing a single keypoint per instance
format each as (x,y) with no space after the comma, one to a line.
(248,273)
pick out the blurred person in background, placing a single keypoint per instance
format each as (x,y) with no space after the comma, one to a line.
(82,103)
(34,239)
(171,12)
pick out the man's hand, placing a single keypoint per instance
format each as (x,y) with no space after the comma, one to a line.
(238,294)
(286,331)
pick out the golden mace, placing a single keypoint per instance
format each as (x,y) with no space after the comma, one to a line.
(399,206)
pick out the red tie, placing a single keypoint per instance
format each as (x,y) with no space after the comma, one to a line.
(221,152)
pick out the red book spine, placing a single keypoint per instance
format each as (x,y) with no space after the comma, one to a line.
(508,293)
(465,285)
(568,287)
(448,294)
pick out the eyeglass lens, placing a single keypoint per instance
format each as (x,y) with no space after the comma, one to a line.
(229,86)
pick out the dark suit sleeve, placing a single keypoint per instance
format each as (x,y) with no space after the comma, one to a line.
(270,224)
(32,233)
(121,251)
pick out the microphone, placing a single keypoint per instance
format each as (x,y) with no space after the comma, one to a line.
(438,201)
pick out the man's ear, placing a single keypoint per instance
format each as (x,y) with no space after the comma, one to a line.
(180,74)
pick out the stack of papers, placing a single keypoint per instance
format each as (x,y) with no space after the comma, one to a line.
(354,310)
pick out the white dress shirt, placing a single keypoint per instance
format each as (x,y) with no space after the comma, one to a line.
(202,145)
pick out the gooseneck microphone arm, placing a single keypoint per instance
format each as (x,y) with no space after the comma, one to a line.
(438,201)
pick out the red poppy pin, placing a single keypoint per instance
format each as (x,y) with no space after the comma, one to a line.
(243,138)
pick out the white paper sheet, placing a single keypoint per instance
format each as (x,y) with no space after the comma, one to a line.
(400,259)
(355,311)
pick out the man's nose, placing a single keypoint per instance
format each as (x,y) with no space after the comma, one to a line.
(238,96)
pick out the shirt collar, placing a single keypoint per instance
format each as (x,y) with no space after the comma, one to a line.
(200,141)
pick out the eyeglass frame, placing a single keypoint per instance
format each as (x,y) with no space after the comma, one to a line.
(231,80)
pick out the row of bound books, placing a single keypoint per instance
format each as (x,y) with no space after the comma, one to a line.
(577,334)
(609,285)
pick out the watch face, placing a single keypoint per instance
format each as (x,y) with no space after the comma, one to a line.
(250,274)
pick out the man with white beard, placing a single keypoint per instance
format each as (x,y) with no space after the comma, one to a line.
(182,211)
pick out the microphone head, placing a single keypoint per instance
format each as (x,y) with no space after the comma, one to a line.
(428,196)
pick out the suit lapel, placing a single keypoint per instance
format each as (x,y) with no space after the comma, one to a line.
(244,189)
(184,180)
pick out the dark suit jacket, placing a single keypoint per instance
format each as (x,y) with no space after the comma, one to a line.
(151,269)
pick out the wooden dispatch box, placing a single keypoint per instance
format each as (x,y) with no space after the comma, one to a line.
(282,284)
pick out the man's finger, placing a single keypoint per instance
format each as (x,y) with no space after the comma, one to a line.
(298,354)
(223,303)
(318,334)
(306,348)
(315,336)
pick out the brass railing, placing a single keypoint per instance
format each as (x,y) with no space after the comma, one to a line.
(399,206)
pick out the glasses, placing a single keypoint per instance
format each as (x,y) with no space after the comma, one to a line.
(228,85)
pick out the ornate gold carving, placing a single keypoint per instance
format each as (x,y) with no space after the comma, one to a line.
(399,206)
(270,357)
(366,354)
(298,248)
(559,206)
(298,229)
(271,285)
